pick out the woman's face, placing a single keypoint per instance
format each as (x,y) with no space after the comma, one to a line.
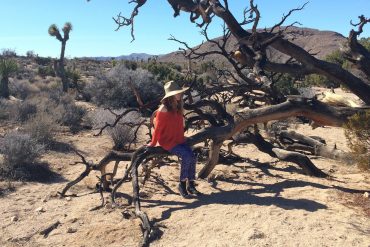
(178,96)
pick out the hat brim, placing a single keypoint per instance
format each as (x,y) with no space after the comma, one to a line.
(175,92)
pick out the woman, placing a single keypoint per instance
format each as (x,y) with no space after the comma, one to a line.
(169,134)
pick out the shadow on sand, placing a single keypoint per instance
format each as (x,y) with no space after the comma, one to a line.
(248,196)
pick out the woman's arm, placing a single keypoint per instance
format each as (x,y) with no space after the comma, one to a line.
(158,126)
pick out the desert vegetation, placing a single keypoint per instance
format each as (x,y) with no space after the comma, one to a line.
(259,90)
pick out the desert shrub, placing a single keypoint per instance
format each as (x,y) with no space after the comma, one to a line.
(31,54)
(23,89)
(318,80)
(46,71)
(43,61)
(8,52)
(24,111)
(365,42)
(50,85)
(132,65)
(4,110)
(121,134)
(74,76)
(113,89)
(41,128)
(286,86)
(70,114)
(54,108)
(357,131)
(20,151)
(163,71)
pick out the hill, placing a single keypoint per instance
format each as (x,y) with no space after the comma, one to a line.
(320,43)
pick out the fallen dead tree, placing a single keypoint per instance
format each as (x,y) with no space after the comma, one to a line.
(298,107)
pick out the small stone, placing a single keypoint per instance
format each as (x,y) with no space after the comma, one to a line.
(40,210)
(108,206)
(71,230)
(73,220)
(366,195)
(256,234)
(68,198)
(14,218)
(46,198)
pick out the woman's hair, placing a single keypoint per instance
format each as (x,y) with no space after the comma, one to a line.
(173,105)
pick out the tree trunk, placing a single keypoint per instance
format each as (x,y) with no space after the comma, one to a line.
(61,68)
(4,87)
(214,155)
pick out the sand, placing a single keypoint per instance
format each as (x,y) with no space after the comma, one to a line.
(262,202)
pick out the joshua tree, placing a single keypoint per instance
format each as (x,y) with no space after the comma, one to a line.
(54,31)
(7,67)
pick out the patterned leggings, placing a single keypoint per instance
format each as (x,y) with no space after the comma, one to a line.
(188,161)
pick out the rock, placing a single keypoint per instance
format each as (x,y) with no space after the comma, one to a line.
(73,220)
(46,198)
(14,218)
(257,235)
(40,210)
(366,195)
(71,230)
(68,198)
(108,206)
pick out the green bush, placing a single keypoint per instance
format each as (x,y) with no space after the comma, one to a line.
(365,42)
(319,81)
(164,71)
(46,71)
(132,65)
(286,85)
(44,61)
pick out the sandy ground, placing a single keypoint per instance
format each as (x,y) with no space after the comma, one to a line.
(262,202)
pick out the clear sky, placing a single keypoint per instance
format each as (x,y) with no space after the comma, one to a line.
(24,24)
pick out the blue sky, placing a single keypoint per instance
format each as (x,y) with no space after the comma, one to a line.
(24,24)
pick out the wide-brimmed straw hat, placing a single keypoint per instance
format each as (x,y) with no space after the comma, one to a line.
(172,88)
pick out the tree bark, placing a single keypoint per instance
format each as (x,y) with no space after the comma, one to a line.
(61,68)
(4,87)
(212,161)
(318,148)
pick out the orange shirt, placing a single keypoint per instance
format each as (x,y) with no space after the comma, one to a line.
(168,129)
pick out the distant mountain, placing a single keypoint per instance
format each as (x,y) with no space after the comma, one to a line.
(132,56)
(319,43)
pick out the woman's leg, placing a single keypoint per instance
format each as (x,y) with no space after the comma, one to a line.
(188,161)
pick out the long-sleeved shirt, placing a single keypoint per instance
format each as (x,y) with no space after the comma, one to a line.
(168,130)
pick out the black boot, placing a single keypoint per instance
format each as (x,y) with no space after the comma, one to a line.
(191,188)
(182,189)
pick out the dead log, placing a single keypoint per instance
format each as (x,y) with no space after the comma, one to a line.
(316,147)
(90,166)
(300,159)
(297,158)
